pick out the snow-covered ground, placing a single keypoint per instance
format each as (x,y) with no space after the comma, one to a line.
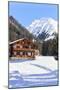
(42,71)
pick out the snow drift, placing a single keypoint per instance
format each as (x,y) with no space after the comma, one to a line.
(27,73)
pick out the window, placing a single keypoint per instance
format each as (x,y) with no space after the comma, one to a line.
(14,53)
(26,46)
(21,53)
(23,42)
(17,43)
(14,46)
(20,46)
(18,52)
(29,53)
(29,46)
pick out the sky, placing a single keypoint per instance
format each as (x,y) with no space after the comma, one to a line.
(25,13)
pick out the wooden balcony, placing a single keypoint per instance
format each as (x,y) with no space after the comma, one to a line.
(23,49)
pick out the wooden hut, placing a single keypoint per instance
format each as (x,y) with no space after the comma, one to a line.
(23,48)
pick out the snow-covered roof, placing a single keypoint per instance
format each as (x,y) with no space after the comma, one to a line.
(16,40)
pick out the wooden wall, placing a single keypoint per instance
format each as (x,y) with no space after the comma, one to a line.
(23,48)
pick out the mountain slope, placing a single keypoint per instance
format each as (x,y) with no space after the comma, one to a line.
(17,31)
(44,28)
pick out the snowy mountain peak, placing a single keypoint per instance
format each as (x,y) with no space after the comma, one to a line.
(43,28)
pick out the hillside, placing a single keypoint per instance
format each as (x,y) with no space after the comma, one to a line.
(17,31)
